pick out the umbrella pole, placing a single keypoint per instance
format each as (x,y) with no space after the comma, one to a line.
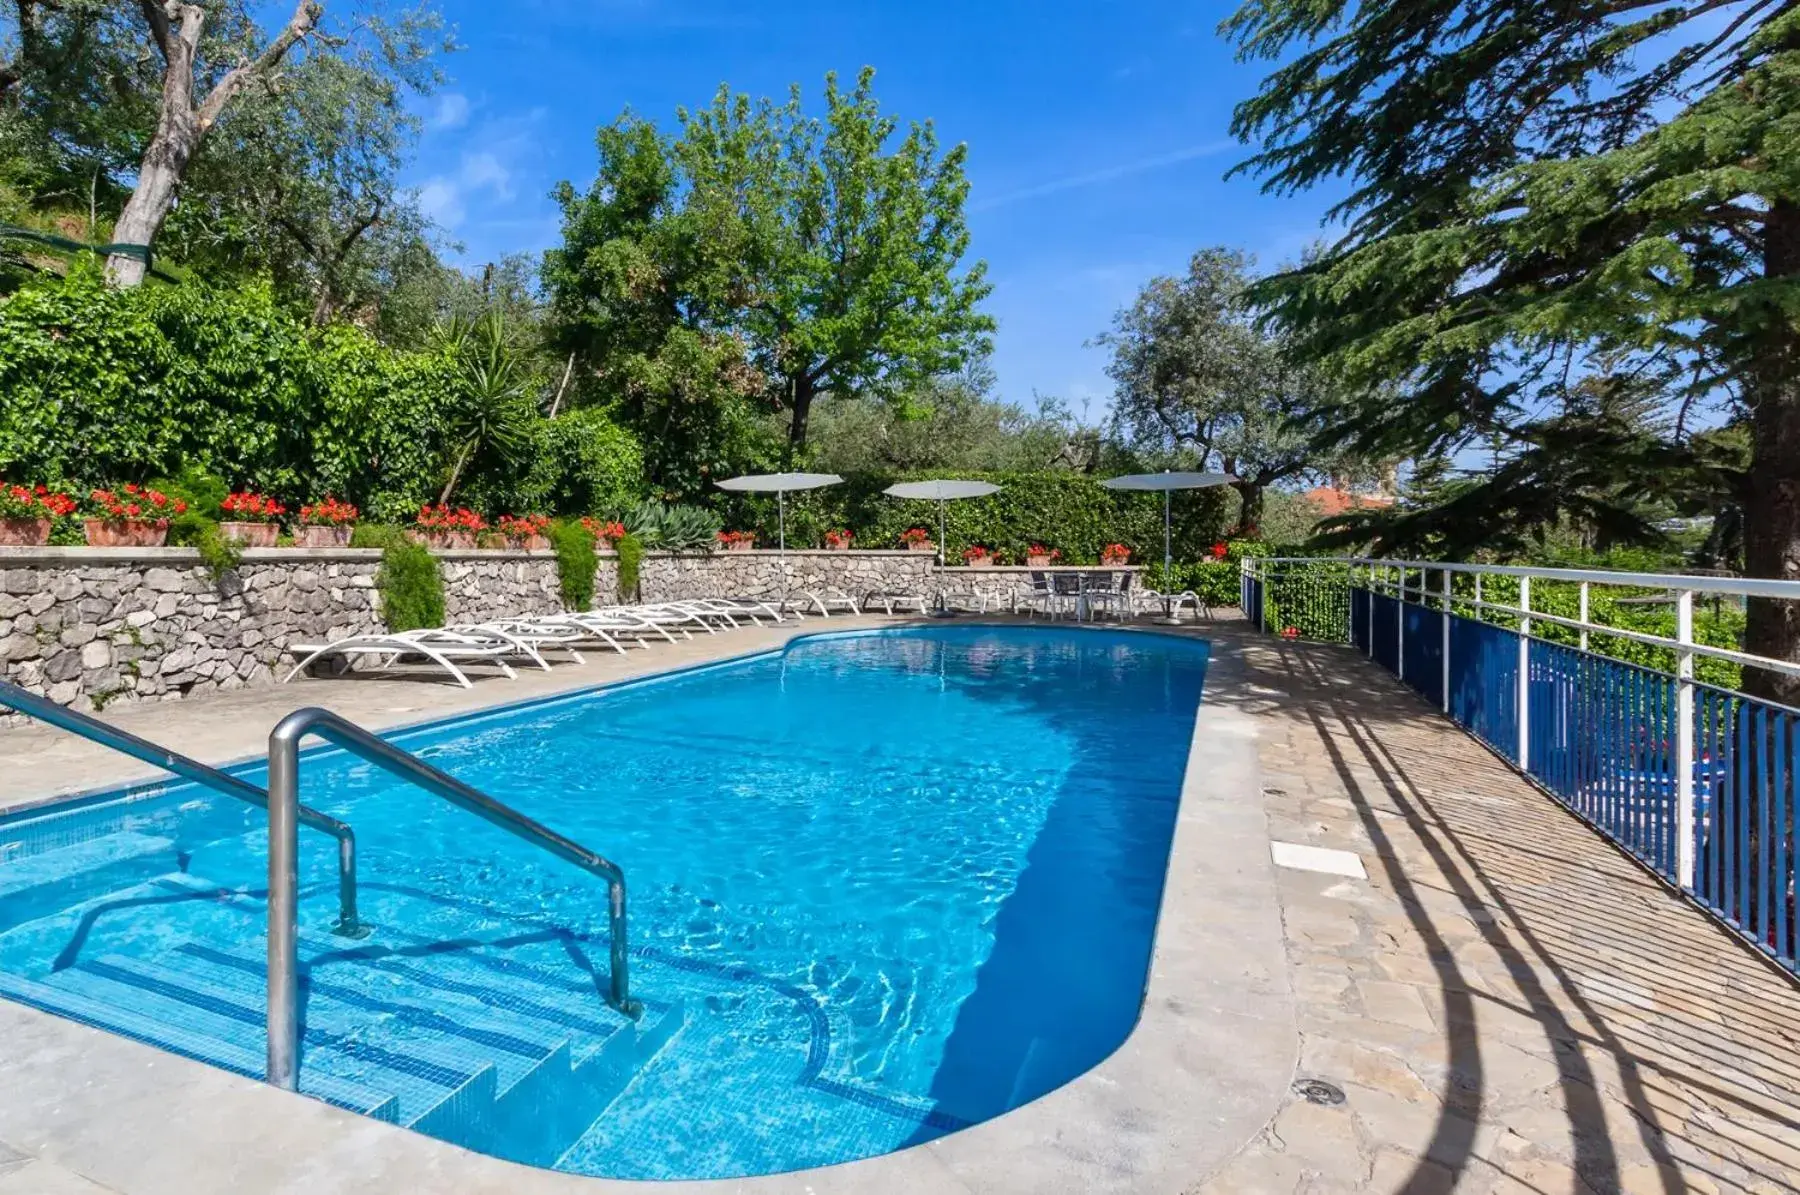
(781,539)
(1168,618)
(943,607)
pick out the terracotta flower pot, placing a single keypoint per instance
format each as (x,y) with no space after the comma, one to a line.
(126,533)
(1038,561)
(831,547)
(445,540)
(926,546)
(321,535)
(18,531)
(742,545)
(980,562)
(251,535)
(529,543)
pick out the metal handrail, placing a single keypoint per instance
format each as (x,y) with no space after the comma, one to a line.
(284,794)
(126,743)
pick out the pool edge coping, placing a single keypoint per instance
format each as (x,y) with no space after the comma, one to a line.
(1117,1127)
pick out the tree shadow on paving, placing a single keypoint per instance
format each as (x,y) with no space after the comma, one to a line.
(1577,907)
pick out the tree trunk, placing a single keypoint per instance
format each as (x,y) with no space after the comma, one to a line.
(181,123)
(1250,506)
(462,462)
(802,389)
(1772,514)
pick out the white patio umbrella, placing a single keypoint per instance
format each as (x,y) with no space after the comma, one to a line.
(941,491)
(779,484)
(1168,483)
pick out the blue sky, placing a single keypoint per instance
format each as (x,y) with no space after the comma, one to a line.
(1097,132)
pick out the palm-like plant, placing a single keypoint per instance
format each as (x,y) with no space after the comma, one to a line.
(490,404)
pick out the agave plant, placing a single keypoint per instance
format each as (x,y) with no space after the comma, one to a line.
(685,528)
(645,521)
(671,528)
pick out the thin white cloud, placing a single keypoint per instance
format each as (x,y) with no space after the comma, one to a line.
(441,201)
(1109,174)
(485,169)
(450,112)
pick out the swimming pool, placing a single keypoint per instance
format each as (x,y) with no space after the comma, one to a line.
(883,885)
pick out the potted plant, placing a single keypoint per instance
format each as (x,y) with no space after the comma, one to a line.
(133,517)
(26,514)
(1220,549)
(978,556)
(737,541)
(917,539)
(525,533)
(1037,556)
(251,519)
(442,527)
(605,534)
(838,541)
(325,524)
(1115,554)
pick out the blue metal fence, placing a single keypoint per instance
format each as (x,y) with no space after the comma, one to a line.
(1603,737)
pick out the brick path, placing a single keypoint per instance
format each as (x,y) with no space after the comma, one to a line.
(1509,1004)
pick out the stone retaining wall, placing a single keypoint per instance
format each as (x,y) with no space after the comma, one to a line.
(90,626)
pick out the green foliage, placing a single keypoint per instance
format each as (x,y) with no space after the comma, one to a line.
(1065,510)
(576,562)
(218,551)
(596,464)
(630,550)
(375,535)
(412,589)
(1559,229)
(676,528)
(760,259)
(1199,380)
(489,407)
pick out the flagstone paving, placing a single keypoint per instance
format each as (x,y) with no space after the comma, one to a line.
(1507,1003)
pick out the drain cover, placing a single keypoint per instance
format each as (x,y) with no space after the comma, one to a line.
(1318,1091)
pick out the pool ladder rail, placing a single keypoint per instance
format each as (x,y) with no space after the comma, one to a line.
(287,815)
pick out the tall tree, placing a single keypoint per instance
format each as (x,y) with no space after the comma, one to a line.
(789,256)
(1195,377)
(855,237)
(1541,192)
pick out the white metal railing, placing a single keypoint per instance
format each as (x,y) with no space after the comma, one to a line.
(1411,583)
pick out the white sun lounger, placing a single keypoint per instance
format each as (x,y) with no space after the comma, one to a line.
(446,649)
(890,601)
(822,601)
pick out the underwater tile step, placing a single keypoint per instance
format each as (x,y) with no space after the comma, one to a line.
(550,998)
(109,1007)
(141,920)
(539,1118)
(419,1069)
(45,883)
(335,1002)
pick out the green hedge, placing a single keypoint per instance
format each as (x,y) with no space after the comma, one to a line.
(1069,511)
(103,386)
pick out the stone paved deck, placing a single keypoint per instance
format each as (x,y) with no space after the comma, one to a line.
(1509,1004)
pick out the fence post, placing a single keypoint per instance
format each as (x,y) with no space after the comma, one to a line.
(1371,617)
(1525,673)
(1684,741)
(1400,627)
(1582,616)
(1446,643)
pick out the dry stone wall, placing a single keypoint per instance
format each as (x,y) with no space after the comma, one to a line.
(91,626)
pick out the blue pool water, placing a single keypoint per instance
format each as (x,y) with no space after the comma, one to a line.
(883,885)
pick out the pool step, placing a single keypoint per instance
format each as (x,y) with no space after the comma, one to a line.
(111,1007)
(41,884)
(502,1043)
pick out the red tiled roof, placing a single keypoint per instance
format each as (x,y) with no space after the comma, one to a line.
(1329,500)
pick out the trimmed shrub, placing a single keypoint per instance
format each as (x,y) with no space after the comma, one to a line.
(576,561)
(412,589)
